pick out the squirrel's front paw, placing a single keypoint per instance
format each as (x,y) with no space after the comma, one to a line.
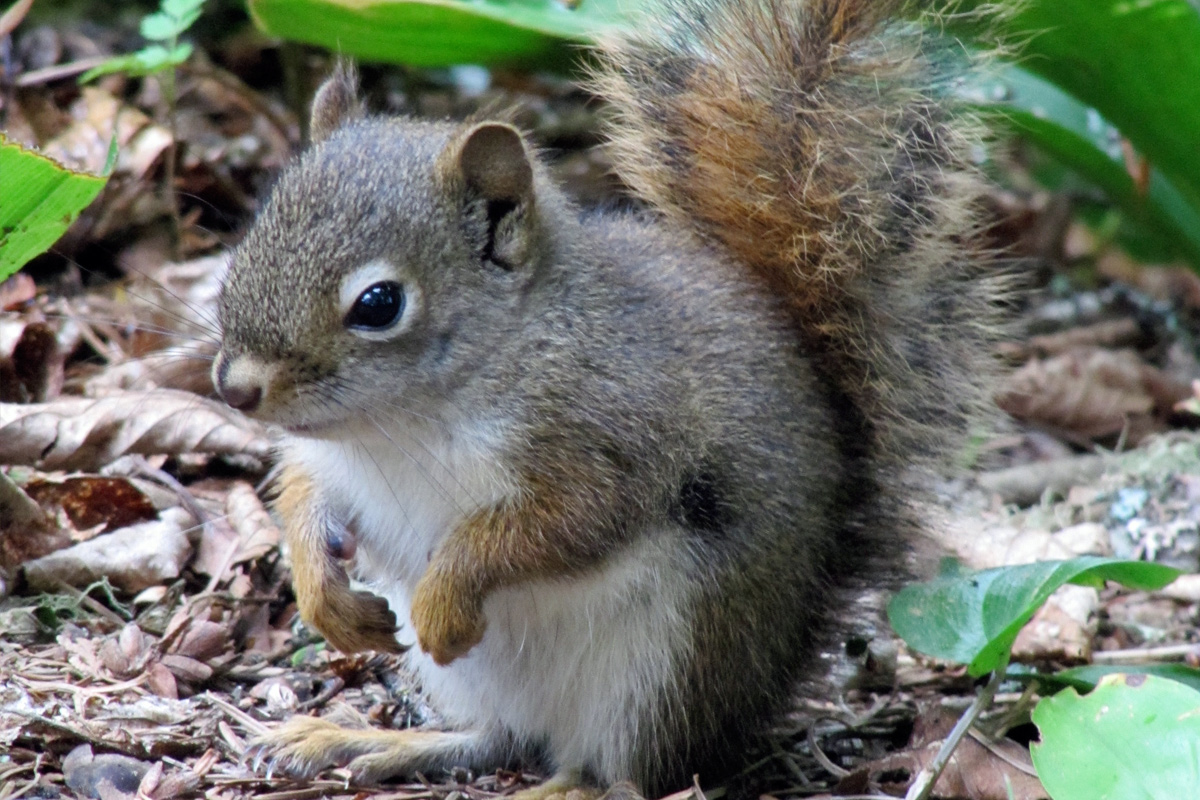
(355,622)
(448,621)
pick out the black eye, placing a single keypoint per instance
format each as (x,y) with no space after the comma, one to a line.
(378,307)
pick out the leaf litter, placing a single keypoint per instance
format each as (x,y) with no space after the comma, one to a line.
(147,631)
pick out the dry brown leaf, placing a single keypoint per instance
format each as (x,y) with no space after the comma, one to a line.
(258,534)
(1109,334)
(976,771)
(1174,283)
(1091,393)
(91,501)
(202,640)
(86,434)
(131,558)
(34,368)
(25,530)
(1058,632)
(16,290)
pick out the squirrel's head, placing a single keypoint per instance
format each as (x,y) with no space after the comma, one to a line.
(382,269)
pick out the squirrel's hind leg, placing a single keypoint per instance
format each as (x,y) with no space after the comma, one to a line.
(303,746)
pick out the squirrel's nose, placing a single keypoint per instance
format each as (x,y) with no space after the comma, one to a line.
(243,398)
(238,386)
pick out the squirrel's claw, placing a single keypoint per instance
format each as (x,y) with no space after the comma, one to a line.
(447,619)
(300,748)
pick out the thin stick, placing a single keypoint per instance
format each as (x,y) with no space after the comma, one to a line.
(922,787)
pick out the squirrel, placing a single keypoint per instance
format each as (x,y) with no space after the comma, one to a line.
(617,473)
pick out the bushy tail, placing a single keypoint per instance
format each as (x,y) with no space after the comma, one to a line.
(812,141)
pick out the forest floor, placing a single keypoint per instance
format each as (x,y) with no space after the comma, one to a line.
(147,627)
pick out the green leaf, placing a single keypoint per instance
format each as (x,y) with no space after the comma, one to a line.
(444,32)
(112,65)
(1081,138)
(973,618)
(175,17)
(160,27)
(182,8)
(39,199)
(1133,737)
(1137,61)
(179,53)
(1086,678)
(147,61)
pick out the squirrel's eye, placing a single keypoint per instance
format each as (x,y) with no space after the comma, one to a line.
(379,306)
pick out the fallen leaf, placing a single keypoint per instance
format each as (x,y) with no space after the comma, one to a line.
(1090,393)
(131,558)
(1058,632)
(995,770)
(25,530)
(36,364)
(17,290)
(91,501)
(82,433)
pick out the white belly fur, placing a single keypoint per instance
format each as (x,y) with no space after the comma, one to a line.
(563,663)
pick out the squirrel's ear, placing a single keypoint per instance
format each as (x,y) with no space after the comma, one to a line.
(493,162)
(490,159)
(335,103)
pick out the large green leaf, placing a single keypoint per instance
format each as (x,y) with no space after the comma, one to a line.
(973,618)
(443,32)
(39,199)
(1135,737)
(1086,678)
(1136,61)
(1081,138)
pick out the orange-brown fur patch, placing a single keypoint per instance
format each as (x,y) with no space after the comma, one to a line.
(349,620)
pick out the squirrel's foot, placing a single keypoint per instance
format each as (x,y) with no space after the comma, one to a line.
(304,746)
(447,619)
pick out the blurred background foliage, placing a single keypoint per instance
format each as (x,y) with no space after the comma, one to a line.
(1103,94)
(1108,90)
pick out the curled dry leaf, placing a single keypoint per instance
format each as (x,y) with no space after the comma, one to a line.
(81,433)
(244,533)
(1090,394)
(258,534)
(1059,632)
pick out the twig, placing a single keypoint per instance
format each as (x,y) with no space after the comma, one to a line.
(819,754)
(1025,485)
(1149,655)
(922,787)
(58,71)
(248,722)
(327,693)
